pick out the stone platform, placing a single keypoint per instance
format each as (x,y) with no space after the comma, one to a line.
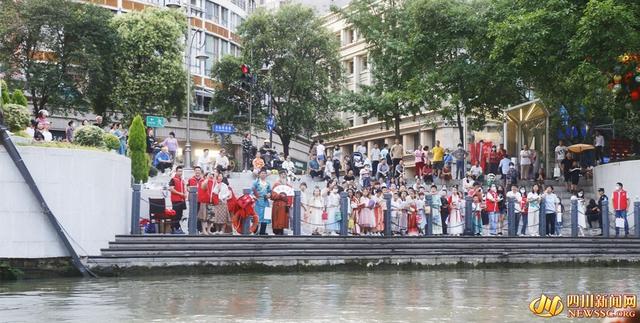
(156,253)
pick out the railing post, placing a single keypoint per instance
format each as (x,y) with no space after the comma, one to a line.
(511,216)
(387,215)
(246,222)
(193,210)
(636,218)
(135,209)
(297,205)
(605,218)
(429,229)
(468,216)
(344,210)
(542,215)
(574,218)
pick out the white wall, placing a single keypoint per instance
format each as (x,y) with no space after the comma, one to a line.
(88,191)
(628,173)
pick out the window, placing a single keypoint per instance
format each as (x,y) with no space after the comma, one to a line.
(339,38)
(365,62)
(225,16)
(194,62)
(224,48)
(235,21)
(349,36)
(350,122)
(350,67)
(210,10)
(211,48)
(216,13)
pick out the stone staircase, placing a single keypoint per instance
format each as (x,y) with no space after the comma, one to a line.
(219,252)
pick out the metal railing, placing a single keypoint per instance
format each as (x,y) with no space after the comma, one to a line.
(510,221)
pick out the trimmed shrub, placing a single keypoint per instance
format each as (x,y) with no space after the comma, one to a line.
(111,141)
(16,117)
(89,136)
(5,92)
(18,98)
(138,151)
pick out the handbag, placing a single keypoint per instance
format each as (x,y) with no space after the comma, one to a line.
(556,172)
(325,215)
(267,213)
(619,222)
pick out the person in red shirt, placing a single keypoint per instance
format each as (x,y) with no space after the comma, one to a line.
(178,191)
(196,181)
(493,209)
(620,205)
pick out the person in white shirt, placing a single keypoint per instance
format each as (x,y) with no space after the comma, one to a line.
(525,162)
(222,162)
(561,151)
(204,161)
(46,133)
(517,206)
(320,152)
(476,172)
(290,167)
(375,159)
(599,144)
(467,182)
(362,148)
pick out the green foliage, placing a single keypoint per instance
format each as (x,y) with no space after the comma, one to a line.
(5,92)
(567,50)
(16,117)
(74,72)
(89,136)
(111,141)
(138,150)
(61,145)
(385,26)
(304,73)
(17,97)
(8,273)
(149,69)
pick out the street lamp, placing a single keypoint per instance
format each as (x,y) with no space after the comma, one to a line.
(266,69)
(190,36)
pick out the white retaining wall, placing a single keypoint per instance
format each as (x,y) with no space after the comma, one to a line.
(626,172)
(88,191)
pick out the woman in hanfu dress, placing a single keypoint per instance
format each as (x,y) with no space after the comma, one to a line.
(436,203)
(455,220)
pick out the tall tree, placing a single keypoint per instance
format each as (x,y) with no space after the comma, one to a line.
(457,77)
(566,51)
(304,68)
(385,25)
(149,69)
(61,48)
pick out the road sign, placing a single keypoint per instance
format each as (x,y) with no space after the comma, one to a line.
(223,128)
(155,122)
(271,123)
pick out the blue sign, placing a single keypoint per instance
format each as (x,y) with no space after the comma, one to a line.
(271,123)
(223,128)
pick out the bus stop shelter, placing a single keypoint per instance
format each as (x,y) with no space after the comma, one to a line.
(528,123)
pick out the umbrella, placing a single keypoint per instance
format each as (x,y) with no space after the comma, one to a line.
(578,148)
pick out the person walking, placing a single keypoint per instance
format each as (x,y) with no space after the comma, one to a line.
(560,152)
(68,133)
(550,208)
(620,206)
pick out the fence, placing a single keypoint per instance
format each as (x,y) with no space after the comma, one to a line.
(607,219)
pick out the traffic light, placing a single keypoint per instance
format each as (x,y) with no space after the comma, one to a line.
(247,79)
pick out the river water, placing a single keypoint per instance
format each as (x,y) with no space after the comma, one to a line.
(453,295)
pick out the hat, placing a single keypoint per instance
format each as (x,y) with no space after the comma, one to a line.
(601,190)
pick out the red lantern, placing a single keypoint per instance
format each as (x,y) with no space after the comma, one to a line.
(635,95)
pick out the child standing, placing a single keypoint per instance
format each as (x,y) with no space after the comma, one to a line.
(476,208)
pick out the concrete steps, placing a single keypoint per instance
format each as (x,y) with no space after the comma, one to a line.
(224,251)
